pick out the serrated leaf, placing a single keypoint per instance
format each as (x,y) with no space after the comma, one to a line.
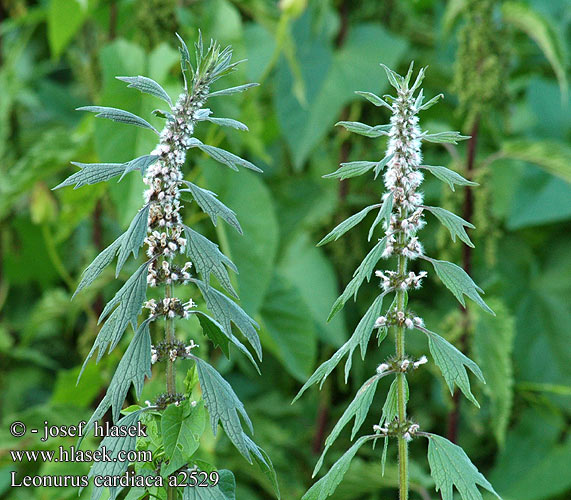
(99,263)
(226,312)
(493,343)
(227,122)
(134,366)
(390,408)
(375,99)
(146,85)
(448,176)
(141,163)
(450,137)
(114,446)
(133,238)
(358,409)
(263,461)
(92,173)
(360,337)
(363,129)
(225,157)
(454,223)
(430,103)
(120,116)
(233,90)
(130,296)
(394,78)
(384,214)
(347,224)
(223,406)
(538,27)
(216,333)
(453,364)
(181,429)
(208,259)
(327,485)
(552,156)
(450,466)
(224,490)
(364,271)
(459,283)
(351,169)
(209,204)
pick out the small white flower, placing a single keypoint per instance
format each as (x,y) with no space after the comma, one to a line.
(382,368)
(420,362)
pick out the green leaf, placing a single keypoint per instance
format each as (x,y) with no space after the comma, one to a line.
(453,364)
(351,169)
(146,85)
(181,427)
(119,115)
(459,283)
(65,18)
(360,337)
(431,102)
(445,137)
(390,408)
(454,223)
(141,163)
(450,466)
(327,485)
(539,28)
(384,214)
(208,259)
(233,90)
(209,204)
(286,320)
(99,263)
(394,78)
(224,490)
(375,99)
(133,238)
(366,130)
(552,156)
(114,446)
(358,409)
(92,173)
(365,270)
(224,157)
(493,343)
(130,296)
(263,461)
(223,406)
(227,122)
(226,312)
(347,224)
(216,333)
(448,176)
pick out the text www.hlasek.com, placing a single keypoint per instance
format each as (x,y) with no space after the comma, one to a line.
(74,455)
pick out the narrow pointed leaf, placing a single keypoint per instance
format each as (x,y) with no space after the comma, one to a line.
(146,85)
(363,129)
(375,99)
(228,122)
(384,214)
(448,176)
(445,137)
(133,238)
(92,173)
(347,224)
(453,223)
(233,90)
(120,116)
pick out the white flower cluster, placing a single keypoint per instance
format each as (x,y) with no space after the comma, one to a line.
(391,280)
(399,318)
(402,178)
(412,430)
(169,307)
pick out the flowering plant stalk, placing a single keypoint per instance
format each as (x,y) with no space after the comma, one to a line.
(401,212)
(176,255)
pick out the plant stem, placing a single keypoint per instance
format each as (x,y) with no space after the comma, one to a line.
(401,388)
(467,214)
(171,374)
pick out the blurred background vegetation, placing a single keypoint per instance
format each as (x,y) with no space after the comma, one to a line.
(503,69)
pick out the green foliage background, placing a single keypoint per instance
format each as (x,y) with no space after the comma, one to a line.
(310,57)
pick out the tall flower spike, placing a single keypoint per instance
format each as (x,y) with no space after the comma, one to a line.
(175,255)
(402,212)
